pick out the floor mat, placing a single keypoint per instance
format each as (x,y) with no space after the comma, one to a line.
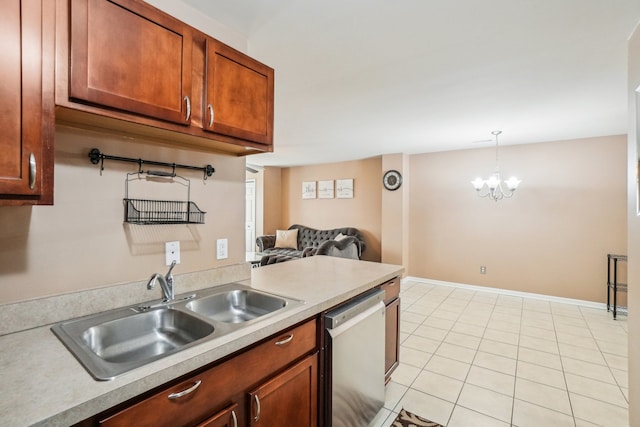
(407,419)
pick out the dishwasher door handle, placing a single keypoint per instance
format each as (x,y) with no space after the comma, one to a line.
(379,307)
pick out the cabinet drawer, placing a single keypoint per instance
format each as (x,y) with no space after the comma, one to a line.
(210,391)
(279,351)
(391,289)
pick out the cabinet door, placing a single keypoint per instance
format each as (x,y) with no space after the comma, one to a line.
(238,95)
(290,398)
(225,418)
(129,56)
(392,338)
(25,140)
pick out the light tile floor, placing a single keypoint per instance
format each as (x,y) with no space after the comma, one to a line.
(475,358)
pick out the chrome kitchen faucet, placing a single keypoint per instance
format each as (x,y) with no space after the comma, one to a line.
(166,283)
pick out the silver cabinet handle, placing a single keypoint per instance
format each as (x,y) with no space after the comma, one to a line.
(188,101)
(257,400)
(234,418)
(32,171)
(185,392)
(210,108)
(285,341)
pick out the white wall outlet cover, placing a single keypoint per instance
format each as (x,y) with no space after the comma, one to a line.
(172,252)
(222,249)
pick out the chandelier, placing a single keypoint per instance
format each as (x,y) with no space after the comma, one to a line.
(492,187)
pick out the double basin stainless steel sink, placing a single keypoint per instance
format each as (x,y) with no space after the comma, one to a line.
(111,343)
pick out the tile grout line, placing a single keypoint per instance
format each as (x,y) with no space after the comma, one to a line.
(590,322)
(515,379)
(564,374)
(606,361)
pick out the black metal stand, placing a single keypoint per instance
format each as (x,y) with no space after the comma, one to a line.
(613,285)
(97,157)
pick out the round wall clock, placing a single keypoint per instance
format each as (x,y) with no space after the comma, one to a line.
(392,180)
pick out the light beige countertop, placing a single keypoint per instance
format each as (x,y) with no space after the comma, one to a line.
(41,382)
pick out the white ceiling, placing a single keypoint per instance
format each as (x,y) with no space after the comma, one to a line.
(361,78)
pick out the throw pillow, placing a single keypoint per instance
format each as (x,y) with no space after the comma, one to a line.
(339,237)
(287,239)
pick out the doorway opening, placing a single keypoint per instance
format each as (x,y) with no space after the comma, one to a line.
(250,215)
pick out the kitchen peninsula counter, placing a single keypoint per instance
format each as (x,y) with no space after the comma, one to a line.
(43,384)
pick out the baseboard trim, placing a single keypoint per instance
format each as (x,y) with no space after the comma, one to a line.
(562,300)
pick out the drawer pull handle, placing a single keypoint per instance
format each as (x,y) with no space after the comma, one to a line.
(182,393)
(210,108)
(32,171)
(188,101)
(287,340)
(257,400)
(234,418)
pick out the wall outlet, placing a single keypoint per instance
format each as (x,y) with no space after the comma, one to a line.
(172,252)
(221,252)
(483,269)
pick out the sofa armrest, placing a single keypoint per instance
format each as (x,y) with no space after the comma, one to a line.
(266,242)
(349,247)
(308,251)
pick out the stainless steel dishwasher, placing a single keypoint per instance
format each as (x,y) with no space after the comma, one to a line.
(355,363)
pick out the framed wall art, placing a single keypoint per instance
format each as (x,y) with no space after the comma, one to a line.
(308,189)
(344,188)
(325,189)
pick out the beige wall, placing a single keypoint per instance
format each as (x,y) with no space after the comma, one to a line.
(634,232)
(551,238)
(362,212)
(395,213)
(82,243)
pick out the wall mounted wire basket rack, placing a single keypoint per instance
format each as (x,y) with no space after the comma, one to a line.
(146,211)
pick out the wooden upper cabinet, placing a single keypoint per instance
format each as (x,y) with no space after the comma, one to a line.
(26,104)
(127,66)
(238,94)
(128,56)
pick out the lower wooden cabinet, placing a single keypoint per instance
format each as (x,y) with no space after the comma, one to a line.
(392,349)
(274,379)
(392,327)
(289,398)
(228,417)
(276,382)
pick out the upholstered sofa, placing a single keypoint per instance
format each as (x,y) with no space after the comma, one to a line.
(346,242)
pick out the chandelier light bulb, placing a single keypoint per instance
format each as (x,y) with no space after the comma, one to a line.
(493,181)
(478,183)
(512,183)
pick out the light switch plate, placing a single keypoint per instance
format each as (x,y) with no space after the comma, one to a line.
(221,249)
(172,252)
